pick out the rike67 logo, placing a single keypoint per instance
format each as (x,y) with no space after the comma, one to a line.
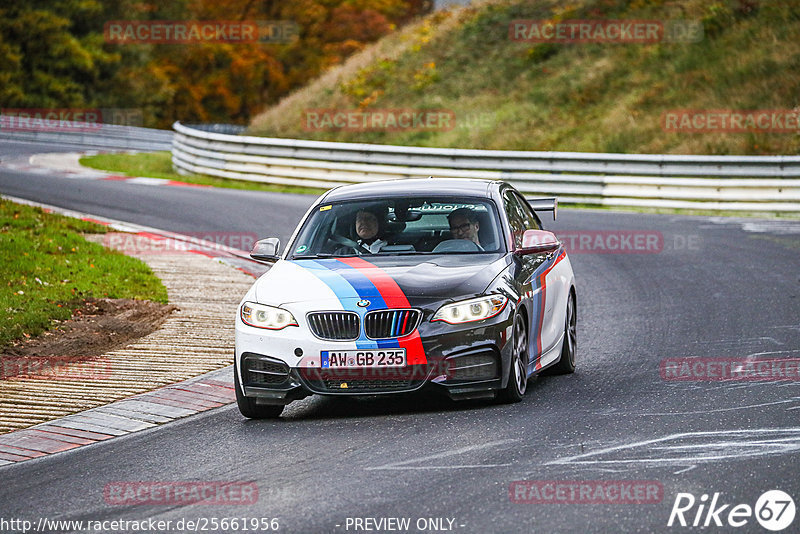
(774,510)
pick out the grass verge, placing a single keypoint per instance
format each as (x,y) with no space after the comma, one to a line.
(564,96)
(159,165)
(49,269)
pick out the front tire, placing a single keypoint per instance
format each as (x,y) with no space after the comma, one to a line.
(566,364)
(249,408)
(518,370)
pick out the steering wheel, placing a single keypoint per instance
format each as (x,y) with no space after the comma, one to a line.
(347,242)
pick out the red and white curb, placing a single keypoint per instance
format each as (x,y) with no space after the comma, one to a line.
(120,418)
(67,165)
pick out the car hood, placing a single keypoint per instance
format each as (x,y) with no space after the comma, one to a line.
(394,281)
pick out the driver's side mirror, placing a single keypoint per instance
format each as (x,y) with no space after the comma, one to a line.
(266,250)
(538,242)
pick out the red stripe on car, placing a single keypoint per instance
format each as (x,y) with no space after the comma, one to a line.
(394,297)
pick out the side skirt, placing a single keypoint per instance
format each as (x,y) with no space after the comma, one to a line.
(548,358)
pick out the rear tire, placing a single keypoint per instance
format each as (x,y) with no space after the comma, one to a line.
(566,364)
(249,408)
(518,369)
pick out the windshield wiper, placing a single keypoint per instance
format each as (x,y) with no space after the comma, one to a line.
(311,256)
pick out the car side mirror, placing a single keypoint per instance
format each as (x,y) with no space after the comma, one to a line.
(537,242)
(266,250)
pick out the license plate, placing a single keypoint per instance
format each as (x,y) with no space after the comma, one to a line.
(341,359)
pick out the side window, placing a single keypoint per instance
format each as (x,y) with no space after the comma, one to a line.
(520,216)
(516,217)
(531,222)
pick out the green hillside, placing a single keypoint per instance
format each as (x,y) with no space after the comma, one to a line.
(593,97)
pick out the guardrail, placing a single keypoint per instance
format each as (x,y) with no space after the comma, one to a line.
(110,136)
(744,183)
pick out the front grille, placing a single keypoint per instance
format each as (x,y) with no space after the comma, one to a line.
(480,366)
(337,326)
(386,324)
(363,380)
(261,371)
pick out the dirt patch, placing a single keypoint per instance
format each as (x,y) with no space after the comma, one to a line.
(97,327)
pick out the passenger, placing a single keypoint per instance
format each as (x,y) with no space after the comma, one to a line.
(464,224)
(368,229)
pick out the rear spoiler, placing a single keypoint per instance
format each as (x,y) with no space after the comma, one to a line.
(544,204)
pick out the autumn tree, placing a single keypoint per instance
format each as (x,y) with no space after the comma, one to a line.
(53,54)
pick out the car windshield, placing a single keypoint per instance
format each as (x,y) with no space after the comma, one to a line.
(411,225)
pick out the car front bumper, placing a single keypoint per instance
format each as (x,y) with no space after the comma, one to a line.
(463,361)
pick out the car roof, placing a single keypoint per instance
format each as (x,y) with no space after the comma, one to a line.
(410,186)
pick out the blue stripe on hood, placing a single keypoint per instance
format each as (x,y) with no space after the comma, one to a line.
(349,285)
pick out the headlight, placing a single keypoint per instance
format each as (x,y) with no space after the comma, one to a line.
(262,316)
(466,311)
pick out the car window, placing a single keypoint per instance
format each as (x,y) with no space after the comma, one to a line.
(520,216)
(531,220)
(516,217)
(409,225)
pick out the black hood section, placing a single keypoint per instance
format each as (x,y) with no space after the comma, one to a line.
(442,276)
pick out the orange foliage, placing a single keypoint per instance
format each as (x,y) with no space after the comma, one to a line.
(226,82)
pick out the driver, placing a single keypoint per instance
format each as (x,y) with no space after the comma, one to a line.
(368,227)
(464,224)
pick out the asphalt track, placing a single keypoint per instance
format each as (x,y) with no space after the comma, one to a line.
(716,288)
